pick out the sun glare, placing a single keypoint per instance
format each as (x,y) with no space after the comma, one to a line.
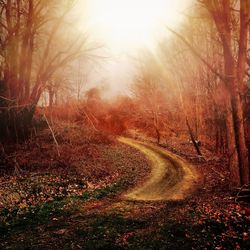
(129,24)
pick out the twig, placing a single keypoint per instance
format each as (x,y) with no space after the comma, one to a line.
(53,135)
(2,150)
(17,170)
(240,190)
(91,122)
(15,106)
(7,99)
(220,174)
(243,196)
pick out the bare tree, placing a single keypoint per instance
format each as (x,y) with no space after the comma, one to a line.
(234,71)
(228,40)
(33,49)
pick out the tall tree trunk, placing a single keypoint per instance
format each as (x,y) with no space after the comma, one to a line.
(238,87)
(26,54)
(235,179)
(240,139)
(234,74)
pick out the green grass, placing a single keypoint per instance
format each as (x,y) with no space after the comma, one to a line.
(114,230)
(105,231)
(19,219)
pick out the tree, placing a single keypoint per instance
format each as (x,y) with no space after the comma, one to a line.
(149,90)
(230,26)
(234,71)
(33,49)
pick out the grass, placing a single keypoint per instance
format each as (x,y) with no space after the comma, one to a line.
(42,214)
(79,227)
(101,230)
(105,231)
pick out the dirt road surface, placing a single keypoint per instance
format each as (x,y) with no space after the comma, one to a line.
(171,178)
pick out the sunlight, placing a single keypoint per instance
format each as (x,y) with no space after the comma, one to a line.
(132,24)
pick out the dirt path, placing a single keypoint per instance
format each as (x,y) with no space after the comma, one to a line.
(171,177)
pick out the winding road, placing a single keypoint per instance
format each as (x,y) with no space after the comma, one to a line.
(171,178)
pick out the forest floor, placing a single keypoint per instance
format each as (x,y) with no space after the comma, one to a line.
(77,199)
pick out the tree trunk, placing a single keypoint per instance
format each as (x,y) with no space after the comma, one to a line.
(240,139)
(235,179)
(238,88)
(193,138)
(158,135)
(26,55)
(233,83)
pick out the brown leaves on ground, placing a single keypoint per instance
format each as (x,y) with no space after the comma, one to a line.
(31,190)
(209,219)
(86,164)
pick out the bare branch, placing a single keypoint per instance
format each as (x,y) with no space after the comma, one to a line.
(196,53)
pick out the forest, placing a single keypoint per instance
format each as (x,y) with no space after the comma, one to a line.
(124,124)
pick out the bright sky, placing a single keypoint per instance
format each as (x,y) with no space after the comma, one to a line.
(124,27)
